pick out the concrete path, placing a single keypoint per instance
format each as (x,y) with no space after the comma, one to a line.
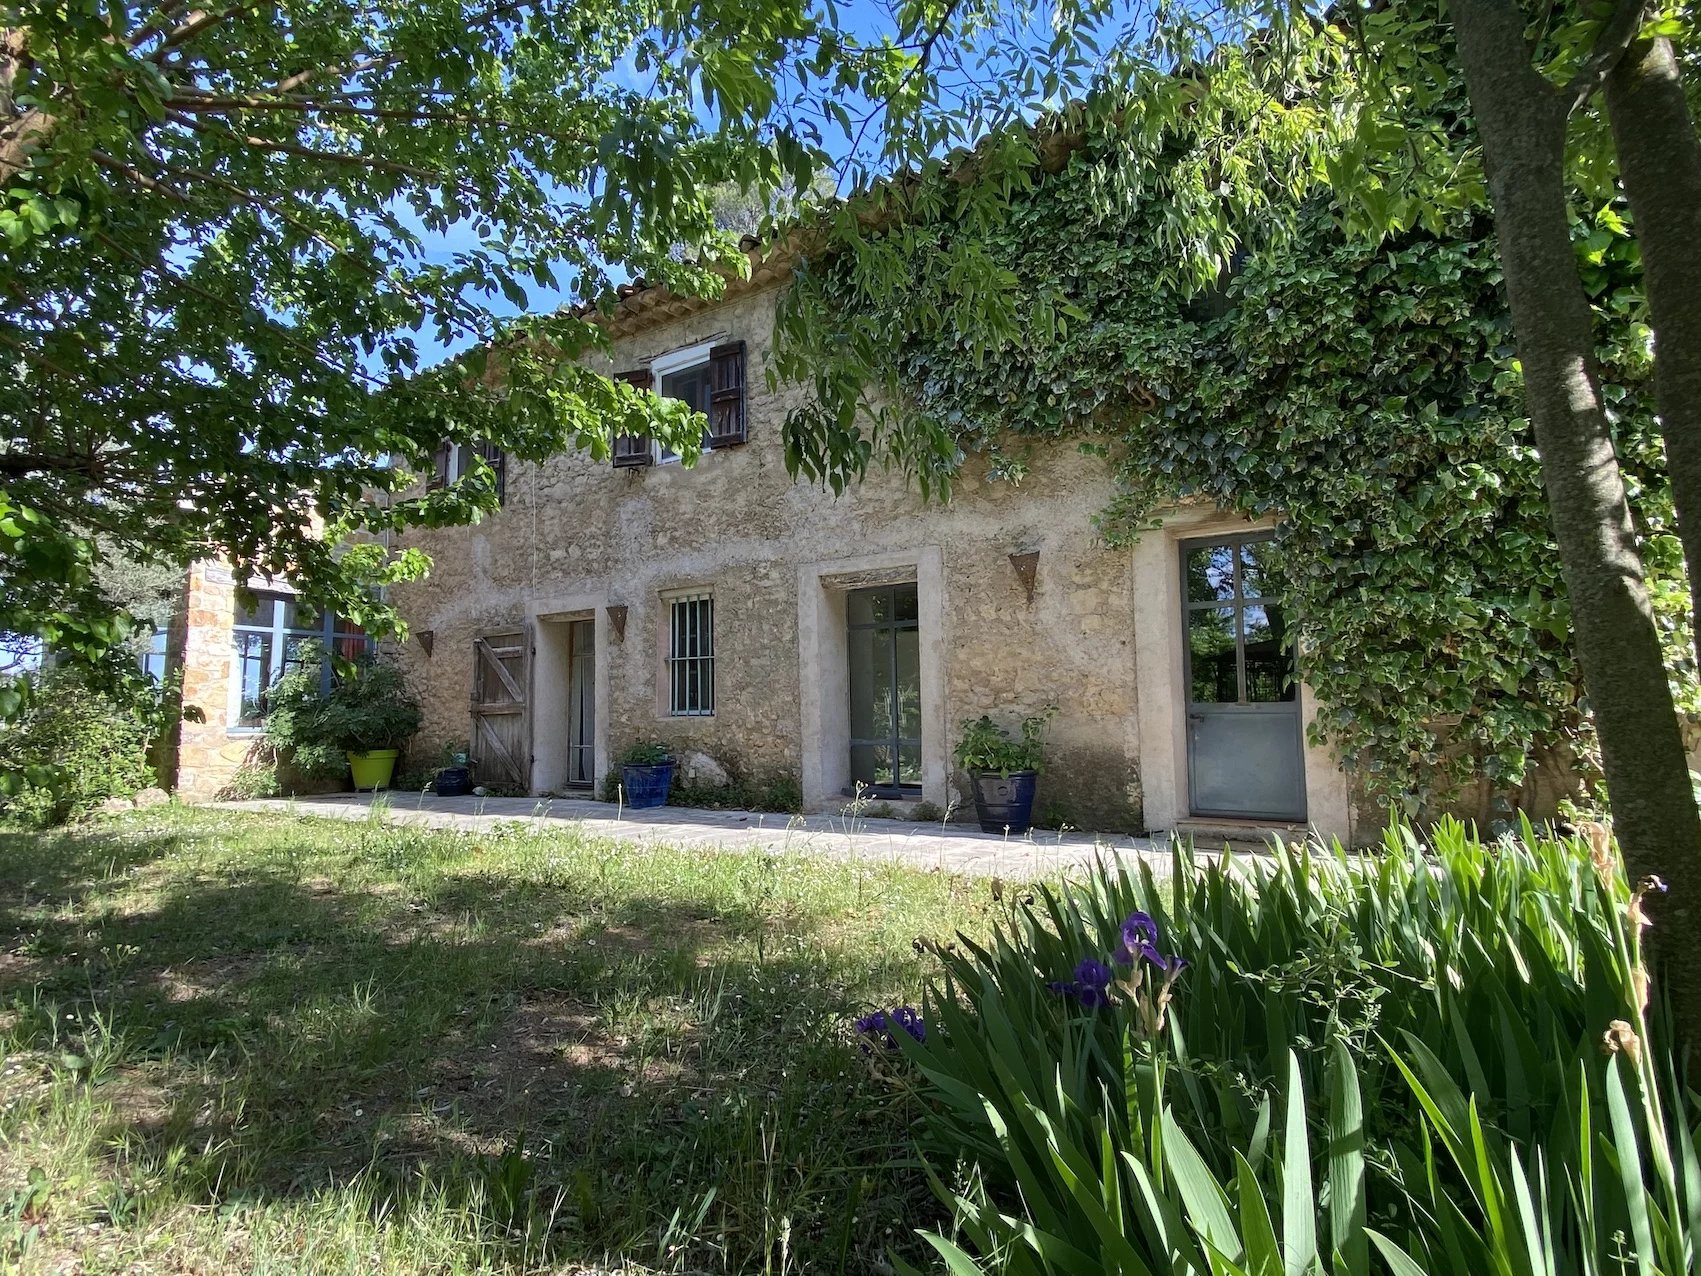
(953,848)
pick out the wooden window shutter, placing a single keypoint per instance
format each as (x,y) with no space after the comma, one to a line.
(632,449)
(498,460)
(439,467)
(726,395)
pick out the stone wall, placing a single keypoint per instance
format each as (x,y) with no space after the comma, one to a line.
(577,537)
(208,752)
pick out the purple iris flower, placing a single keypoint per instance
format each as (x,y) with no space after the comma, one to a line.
(1091,996)
(1139,935)
(881,1024)
(1092,973)
(907,1019)
(1091,985)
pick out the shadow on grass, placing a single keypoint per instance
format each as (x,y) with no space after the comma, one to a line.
(589,1071)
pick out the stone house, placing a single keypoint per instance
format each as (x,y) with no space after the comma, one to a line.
(764,628)
(782,632)
(229,654)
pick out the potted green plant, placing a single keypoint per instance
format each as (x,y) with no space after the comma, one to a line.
(646,772)
(1003,771)
(454,774)
(361,723)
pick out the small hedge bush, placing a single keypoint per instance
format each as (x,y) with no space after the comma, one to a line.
(93,747)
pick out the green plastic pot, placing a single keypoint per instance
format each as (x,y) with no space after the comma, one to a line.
(373,770)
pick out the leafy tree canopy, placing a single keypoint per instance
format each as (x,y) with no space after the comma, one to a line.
(237,237)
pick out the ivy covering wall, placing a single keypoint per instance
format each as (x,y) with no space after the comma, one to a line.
(1368,394)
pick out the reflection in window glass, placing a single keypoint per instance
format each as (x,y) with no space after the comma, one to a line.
(270,637)
(253,676)
(1257,578)
(1211,656)
(688,385)
(1239,648)
(259,614)
(884,649)
(153,660)
(1210,574)
(1269,661)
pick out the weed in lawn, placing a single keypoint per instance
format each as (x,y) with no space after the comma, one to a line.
(306,1045)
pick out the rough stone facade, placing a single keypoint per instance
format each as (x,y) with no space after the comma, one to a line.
(1098,640)
(580,539)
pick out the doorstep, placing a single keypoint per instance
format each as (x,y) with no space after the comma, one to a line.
(1206,831)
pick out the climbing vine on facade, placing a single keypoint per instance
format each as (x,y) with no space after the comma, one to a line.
(1365,393)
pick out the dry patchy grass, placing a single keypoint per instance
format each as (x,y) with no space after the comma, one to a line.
(240,1043)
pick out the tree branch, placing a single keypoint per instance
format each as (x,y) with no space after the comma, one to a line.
(1615,37)
(198,102)
(18,464)
(136,175)
(307,152)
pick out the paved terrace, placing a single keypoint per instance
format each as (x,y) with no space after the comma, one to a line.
(953,848)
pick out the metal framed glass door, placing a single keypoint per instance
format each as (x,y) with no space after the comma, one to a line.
(581,703)
(1245,743)
(884,648)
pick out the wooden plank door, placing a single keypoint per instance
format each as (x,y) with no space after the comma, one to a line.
(501,735)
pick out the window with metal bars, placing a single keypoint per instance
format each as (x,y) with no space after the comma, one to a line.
(691,657)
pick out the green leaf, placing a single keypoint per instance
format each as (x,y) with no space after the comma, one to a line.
(1347,1208)
(1299,1207)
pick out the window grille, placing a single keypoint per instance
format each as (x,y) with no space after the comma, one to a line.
(691,657)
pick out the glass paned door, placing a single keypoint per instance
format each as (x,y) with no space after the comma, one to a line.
(1245,746)
(581,702)
(884,648)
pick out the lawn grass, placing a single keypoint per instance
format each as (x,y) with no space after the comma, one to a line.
(231,1042)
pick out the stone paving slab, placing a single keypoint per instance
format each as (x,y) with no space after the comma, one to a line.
(952,848)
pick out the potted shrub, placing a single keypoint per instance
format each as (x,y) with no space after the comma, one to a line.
(454,773)
(646,771)
(1003,771)
(369,713)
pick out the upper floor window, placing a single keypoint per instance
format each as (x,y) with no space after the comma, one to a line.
(707,376)
(452,461)
(268,639)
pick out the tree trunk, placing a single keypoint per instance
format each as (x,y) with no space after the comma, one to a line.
(1521,119)
(20,130)
(1659,159)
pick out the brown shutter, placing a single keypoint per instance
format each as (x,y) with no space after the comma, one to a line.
(726,396)
(498,460)
(633,449)
(439,467)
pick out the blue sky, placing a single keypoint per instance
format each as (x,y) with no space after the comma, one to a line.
(867,20)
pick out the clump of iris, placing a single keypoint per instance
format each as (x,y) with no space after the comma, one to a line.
(880,1026)
(1146,985)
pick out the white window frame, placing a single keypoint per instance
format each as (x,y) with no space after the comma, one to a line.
(662,365)
(330,629)
(460,454)
(703,660)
